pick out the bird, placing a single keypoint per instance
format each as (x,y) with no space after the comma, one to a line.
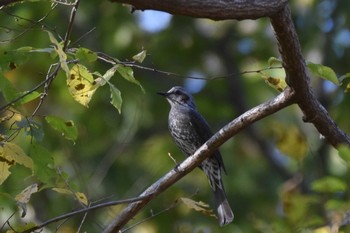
(189,131)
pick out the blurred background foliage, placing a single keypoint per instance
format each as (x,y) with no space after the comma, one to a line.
(282,177)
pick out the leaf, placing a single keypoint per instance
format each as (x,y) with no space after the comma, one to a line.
(10,60)
(140,56)
(7,89)
(81,84)
(128,74)
(82,198)
(26,99)
(86,55)
(116,97)
(277,83)
(31,128)
(24,197)
(61,54)
(11,154)
(291,141)
(107,76)
(44,165)
(329,184)
(67,128)
(324,72)
(344,153)
(274,61)
(198,206)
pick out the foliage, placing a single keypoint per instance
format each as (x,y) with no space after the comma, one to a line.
(57,155)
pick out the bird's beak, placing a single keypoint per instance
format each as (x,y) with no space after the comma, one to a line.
(165,94)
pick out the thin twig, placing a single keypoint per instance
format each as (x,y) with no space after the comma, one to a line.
(70,24)
(85,210)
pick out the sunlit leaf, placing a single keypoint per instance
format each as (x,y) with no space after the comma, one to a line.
(82,198)
(66,128)
(61,54)
(116,98)
(44,165)
(85,55)
(329,184)
(323,71)
(128,74)
(273,61)
(24,197)
(140,56)
(11,154)
(277,83)
(81,84)
(198,206)
(107,76)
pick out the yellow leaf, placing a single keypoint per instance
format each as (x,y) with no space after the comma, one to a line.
(291,141)
(81,84)
(61,54)
(82,198)
(11,154)
(198,206)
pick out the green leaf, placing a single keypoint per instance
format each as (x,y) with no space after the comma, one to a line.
(86,55)
(274,61)
(140,56)
(344,152)
(7,89)
(61,54)
(324,72)
(30,97)
(11,59)
(116,97)
(128,74)
(67,128)
(31,128)
(44,165)
(329,184)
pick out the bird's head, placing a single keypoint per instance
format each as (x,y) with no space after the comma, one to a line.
(178,96)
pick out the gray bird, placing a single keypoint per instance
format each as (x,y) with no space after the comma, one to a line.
(189,131)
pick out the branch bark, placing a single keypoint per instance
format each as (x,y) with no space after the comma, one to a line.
(216,10)
(228,131)
(299,80)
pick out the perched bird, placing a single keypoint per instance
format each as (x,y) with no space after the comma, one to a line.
(189,131)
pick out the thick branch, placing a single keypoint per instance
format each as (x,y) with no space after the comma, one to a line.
(216,10)
(281,101)
(298,79)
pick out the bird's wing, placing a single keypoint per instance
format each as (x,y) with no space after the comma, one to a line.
(204,133)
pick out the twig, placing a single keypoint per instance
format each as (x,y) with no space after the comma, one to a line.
(70,24)
(85,210)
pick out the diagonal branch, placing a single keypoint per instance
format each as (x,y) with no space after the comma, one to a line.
(228,131)
(298,79)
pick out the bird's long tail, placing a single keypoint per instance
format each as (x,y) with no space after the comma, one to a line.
(212,169)
(224,211)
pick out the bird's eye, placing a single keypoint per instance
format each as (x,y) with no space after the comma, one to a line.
(178,92)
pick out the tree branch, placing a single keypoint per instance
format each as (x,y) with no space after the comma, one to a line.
(265,109)
(216,10)
(298,79)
